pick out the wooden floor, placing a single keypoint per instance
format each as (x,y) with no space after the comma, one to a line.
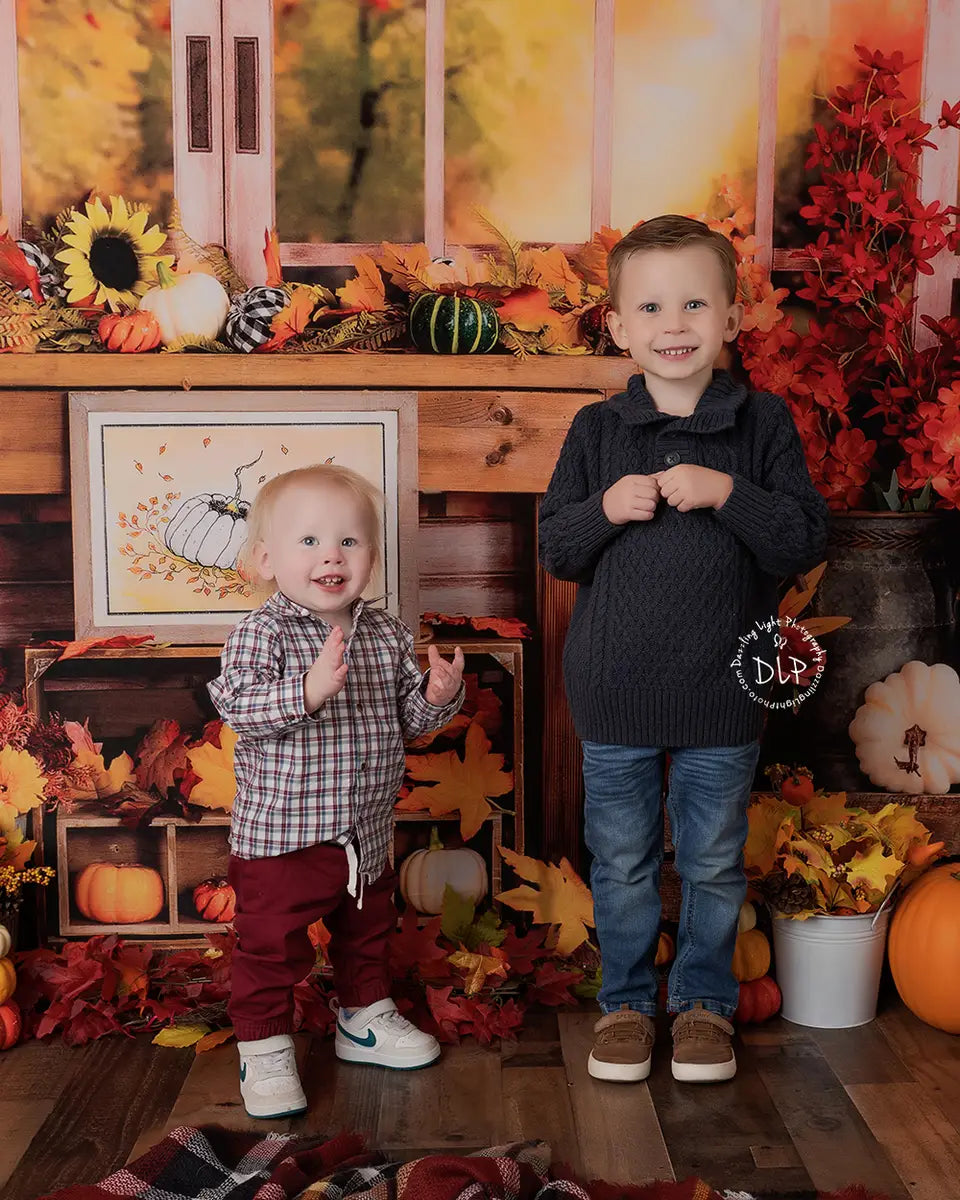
(879,1105)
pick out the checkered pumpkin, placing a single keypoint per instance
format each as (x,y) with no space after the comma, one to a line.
(50,284)
(248,322)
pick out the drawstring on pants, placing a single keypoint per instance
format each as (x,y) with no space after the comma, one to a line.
(353,875)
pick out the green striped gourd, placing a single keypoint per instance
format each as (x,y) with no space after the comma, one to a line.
(453,324)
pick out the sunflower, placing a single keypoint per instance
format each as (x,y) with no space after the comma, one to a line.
(21,781)
(112,254)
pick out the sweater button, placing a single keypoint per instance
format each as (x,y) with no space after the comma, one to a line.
(672,458)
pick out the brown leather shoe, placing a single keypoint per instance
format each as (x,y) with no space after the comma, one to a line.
(702,1052)
(624,1046)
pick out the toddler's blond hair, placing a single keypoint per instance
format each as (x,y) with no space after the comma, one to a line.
(370,500)
(671,232)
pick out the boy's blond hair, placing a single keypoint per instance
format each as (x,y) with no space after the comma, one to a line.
(671,232)
(328,475)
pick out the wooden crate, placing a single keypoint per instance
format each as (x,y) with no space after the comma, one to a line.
(123,691)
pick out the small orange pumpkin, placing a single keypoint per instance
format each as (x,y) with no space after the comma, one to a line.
(760,1000)
(751,957)
(924,947)
(665,950)
(131,333)
(10,1024)
(8,979)
(215,900)
(119,893)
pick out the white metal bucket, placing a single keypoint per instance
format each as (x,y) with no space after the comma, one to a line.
(828,968)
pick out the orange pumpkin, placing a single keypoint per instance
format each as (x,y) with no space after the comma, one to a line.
(8,979)
(130,334)
(760,1000)
(119,893)
(665,950)
(924,947)
(751,957)
(215,900)
(10,1024)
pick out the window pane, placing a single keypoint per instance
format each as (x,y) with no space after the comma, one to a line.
(349,120)
(817,40)
(95,103)
(686,94)
(519,118)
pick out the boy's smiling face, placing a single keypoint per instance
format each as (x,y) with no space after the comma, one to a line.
(674,315)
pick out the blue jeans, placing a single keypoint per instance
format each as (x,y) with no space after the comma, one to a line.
(707,803)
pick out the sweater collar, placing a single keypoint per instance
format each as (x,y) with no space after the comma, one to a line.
(716,408)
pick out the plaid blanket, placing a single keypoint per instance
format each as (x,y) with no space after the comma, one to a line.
(212,1163)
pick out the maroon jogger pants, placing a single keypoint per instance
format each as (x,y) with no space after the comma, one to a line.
(278,898)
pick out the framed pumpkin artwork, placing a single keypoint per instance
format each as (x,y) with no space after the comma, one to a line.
(161,484)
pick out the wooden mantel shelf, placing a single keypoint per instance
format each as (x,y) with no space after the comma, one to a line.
(58,371)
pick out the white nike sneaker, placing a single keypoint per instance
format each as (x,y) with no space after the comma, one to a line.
(379,1035)
(269,1082)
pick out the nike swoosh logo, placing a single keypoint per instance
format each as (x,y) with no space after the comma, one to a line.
(243,1072)
(369,1040)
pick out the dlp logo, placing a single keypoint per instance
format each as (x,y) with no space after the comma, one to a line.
(779,653)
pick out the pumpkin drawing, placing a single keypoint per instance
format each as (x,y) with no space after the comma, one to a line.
(9,1024)
(209,530)
(907,731)
(119,894)
(924,947)
(425,875)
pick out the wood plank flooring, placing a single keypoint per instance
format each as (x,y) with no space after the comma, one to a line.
(879,1105)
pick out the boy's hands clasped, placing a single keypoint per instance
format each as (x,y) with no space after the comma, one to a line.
(684,487)
(328,674)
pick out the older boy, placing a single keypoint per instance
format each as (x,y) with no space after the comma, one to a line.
(675,506)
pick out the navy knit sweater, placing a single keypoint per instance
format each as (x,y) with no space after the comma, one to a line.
(662,604)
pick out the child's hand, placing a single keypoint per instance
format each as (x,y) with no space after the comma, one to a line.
(328,674)
(444,681)
(631,498)
(686,487)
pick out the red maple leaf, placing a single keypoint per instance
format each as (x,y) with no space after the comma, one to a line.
(522,952)
(449,1013)
(162,752)
(552,984)
(414,948)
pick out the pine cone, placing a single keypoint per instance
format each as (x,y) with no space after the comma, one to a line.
(788,894)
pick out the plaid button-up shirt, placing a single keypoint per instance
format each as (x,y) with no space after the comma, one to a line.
(329,776)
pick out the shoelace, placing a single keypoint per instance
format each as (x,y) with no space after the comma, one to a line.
(626,1029)
(276,1062)
(397,1022)
(704,1028)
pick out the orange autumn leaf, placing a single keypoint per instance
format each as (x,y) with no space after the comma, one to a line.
(591,261)
(799,596)
(460,784)
(162,752)
(479,967)
(319,937)
(292,319)
(210,1040)
(15,850)
(120,641)
(408,267)
(366,290)
(16,270)
(271,257)
(216,784)
(555,273)
(528,308)
(563,900)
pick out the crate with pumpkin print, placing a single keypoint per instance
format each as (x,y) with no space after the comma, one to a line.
(462,796)
(149,828)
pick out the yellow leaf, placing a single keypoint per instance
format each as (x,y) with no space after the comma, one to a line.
(217,1038)
(214,766)
(407,266)
(553,272)
(104,781)
(463,785)
(479,967)
(770,824)
(825,808)
(563,899)
(873,871)
(181,1035)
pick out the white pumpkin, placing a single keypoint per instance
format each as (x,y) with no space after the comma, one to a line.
(907,731)
(747,919)
(6,942)
(425,874)
(193,304)
(208,530)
